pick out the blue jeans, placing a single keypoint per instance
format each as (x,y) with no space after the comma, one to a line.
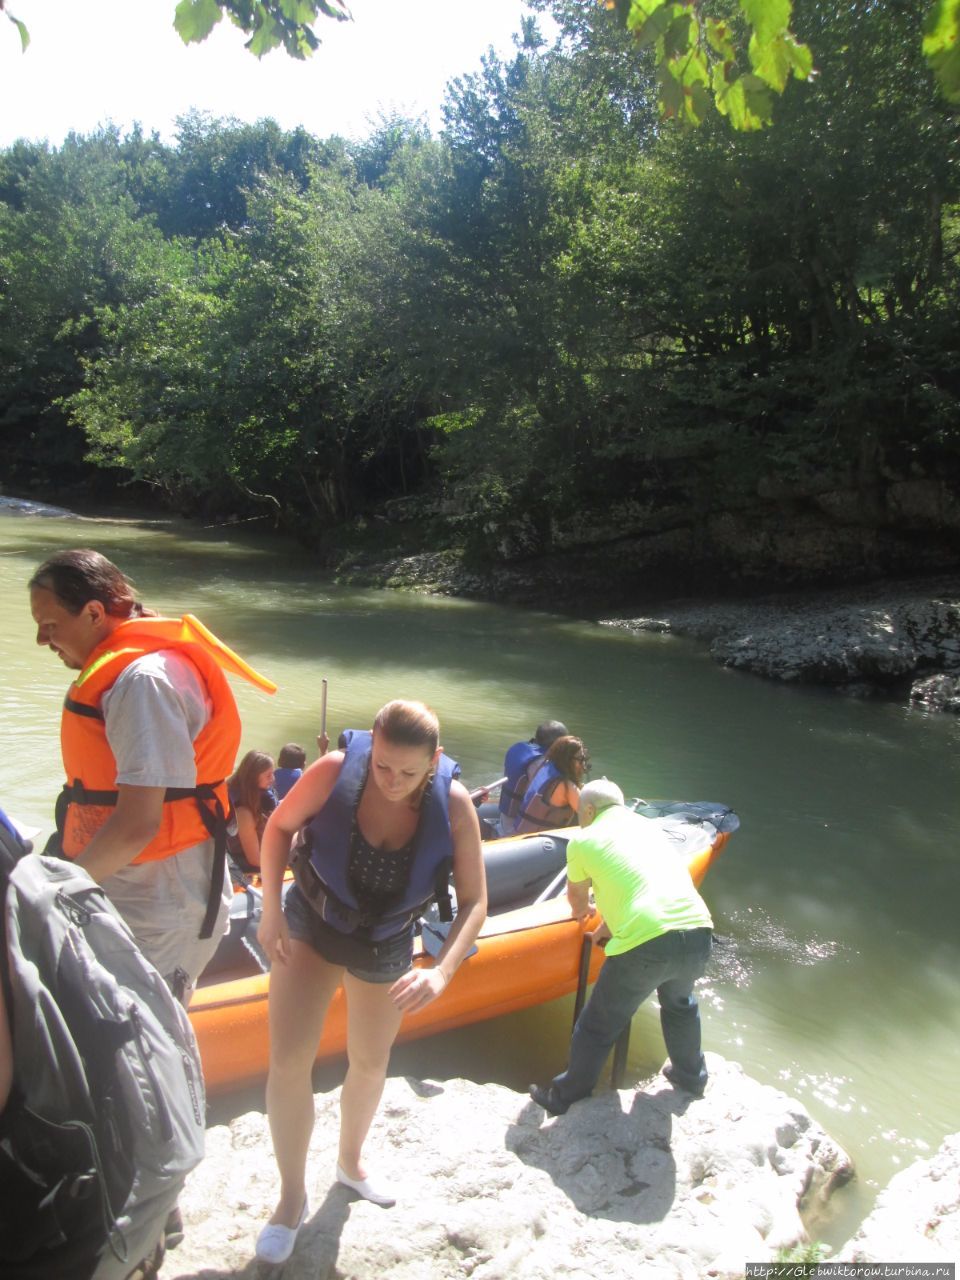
(669,965)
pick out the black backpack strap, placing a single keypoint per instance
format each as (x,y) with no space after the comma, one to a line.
(215,820)
(12,849)
(441,890)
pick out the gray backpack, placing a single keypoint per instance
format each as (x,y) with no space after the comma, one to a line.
(106,1117)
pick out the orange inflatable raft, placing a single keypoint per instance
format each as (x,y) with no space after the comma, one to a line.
(525,955)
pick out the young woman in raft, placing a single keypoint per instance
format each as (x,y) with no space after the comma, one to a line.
(251,803)
(553,796)
(381,819)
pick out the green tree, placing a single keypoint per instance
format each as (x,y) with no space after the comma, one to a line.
(67,222)
(215,163)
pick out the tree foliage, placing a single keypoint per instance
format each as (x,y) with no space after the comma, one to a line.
(270,24)
(941,45)
(557,312)
(735,59)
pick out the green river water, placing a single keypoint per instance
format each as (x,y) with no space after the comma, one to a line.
(837,974)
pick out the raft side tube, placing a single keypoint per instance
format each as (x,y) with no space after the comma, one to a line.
(519,868)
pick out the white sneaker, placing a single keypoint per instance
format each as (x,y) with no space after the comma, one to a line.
(275,1242)
(376,1192)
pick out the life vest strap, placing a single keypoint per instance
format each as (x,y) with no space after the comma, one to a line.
(212,814)
(76,793)
(82,708)
(319,896)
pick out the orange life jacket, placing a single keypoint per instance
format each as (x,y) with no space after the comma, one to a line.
(191,814)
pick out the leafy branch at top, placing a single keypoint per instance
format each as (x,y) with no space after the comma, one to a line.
(941,46)
(736,64)
(268,23)
(705,61)
(24,33)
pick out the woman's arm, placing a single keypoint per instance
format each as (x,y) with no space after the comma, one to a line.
(418,987)
(247,835)
(573,796)
(303,801)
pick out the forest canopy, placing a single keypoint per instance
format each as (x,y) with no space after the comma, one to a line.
(559,304)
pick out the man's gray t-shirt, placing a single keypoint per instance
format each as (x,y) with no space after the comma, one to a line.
(153,712)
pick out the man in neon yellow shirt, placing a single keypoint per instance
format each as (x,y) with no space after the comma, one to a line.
(659,932)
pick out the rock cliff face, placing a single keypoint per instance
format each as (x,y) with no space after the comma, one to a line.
(647,1183)
(707,519)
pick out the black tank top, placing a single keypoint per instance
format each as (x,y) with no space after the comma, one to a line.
(377,876)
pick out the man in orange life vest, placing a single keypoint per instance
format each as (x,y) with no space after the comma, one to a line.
(149,733)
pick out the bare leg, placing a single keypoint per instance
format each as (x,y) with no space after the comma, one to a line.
(373,1021)
(300,992)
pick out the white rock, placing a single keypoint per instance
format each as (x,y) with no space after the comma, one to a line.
(917,1217)
(880,634)
(649,1183)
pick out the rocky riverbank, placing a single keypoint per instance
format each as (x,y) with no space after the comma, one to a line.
(649,1183)
(917,1216)
(638,1183)
(893,637)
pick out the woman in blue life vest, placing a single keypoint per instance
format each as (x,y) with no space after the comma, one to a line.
(553,796)
(251,802)
(383,821)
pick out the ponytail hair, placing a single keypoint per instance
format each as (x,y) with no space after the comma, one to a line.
(408,724)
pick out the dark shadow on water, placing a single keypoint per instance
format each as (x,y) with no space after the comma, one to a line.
(609,1163)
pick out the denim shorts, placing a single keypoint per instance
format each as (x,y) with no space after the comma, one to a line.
(381,961)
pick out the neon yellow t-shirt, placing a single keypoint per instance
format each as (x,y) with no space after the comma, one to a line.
(640,881)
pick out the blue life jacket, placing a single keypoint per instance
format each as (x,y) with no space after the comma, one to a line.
(321,861)
(284,778)
(515,764)
(537,813)
(8,826)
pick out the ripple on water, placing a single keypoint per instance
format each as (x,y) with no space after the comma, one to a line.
(753,935)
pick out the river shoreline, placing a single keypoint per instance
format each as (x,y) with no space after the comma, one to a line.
(896,638)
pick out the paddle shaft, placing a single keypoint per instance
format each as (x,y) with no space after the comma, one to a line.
(323,742)
(552,889)
(491,786)
(622,1047)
